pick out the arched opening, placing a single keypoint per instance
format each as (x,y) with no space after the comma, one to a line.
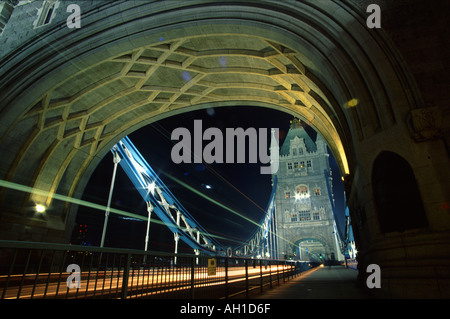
(236,192)
(312,250)
(122,87)
(82,116)
(64,105)
(397,196)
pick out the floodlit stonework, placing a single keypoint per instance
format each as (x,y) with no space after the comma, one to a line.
(304,200)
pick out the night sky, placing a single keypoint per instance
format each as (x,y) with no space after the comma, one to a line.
(240,187)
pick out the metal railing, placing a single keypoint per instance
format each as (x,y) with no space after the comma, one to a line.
(43,270)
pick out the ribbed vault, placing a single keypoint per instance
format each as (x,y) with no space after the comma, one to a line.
(96,105)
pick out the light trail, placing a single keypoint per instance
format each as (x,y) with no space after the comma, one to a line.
(80,202)
(56,196)
(142,282)
(223,206)
(210,199)
(31,190)
(166,134)
(72,200)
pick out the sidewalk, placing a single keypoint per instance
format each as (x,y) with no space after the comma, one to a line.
(336,282)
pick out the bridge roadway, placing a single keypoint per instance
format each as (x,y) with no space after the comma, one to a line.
(335,282)
(109,283)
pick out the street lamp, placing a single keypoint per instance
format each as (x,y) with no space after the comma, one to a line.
(40,208)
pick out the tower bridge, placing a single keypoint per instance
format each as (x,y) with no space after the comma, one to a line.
(160,200)
(377,96)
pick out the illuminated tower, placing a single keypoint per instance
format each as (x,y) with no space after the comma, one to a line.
(305,224)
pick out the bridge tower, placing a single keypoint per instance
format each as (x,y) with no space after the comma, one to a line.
(304,216)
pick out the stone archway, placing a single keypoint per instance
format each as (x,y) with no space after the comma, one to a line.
(313,249)
(68,95)
(88,98)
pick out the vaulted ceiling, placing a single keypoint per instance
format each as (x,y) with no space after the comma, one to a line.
(101,101)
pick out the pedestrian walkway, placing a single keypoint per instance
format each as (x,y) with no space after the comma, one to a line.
(334,282)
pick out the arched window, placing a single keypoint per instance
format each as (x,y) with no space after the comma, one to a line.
(397,197)
(302,189)
(46,12)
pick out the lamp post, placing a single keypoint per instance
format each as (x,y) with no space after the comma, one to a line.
(40,208)
(116,159)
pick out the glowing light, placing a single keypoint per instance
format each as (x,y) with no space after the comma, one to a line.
(151,188)
(39,208)
(299,196)
(186,76)
(210,111)
(352,103)
(223,61)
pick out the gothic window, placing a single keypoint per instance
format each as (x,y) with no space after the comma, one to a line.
(289,165)
(316,216)
(308,163)
(302,189)
(397,197)
(47,12)
(287,195)
(294,152)
(296,164)
(304,215)
(317,191)
(302,164)
(300,151)
(293,217)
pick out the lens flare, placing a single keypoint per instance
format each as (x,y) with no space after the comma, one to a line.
(40,208)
